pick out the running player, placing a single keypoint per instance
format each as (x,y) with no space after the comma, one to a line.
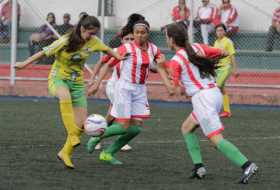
(66,78)
(126,37)
(130,98)
(227,66)
(197,75)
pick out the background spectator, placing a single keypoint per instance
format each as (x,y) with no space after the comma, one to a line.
(181,13)
(229,17)
(66,26)
(207,18)
(82,14)
(43,37)
(274,30)
(6,20)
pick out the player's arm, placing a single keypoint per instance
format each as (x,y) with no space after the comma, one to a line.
(163,74)
(97,67)
(234,66)
(106,67)
(233,61)
(30,60)
(47,51)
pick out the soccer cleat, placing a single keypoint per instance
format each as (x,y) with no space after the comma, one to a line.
(98,146)
(248,172)
(109,158)
(198,173)
(92,143)
(225,114)
(126,148)
(65,159)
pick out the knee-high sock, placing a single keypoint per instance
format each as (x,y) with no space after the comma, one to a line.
(69,122)
(193,147)
(226,103)
(232,152)
(114,129)
(132,131)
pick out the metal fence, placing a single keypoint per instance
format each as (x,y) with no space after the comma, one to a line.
(256,56)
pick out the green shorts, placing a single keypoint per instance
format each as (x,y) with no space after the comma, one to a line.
(76,89)
(222,74)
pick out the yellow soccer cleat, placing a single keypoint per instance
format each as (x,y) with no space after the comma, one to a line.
(65,154)
(65,159)
(109,158)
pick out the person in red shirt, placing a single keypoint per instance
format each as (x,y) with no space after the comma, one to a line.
(229,17)
(274,30)
(6,20)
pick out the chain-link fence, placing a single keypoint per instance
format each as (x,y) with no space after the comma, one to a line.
(257,44)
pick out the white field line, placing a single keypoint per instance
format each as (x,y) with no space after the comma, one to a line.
(269,138)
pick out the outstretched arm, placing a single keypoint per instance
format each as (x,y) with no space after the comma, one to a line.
(30,60)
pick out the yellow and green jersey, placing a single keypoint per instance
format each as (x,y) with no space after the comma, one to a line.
(70,65)
(227,45)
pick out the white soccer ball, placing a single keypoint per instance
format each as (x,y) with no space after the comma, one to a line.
(95,125)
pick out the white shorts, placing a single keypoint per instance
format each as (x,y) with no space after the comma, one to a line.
(130,101)
(110,90)
(206,108)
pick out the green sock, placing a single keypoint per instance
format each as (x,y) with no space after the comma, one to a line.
(232,152)
(132,131)
(114,129)
(193,147)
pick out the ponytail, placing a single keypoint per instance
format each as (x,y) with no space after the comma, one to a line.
(205,65)
(75,39)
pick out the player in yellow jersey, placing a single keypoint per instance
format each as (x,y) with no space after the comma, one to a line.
(227,66)
(66,80)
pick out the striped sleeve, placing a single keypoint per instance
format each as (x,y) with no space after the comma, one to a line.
(176,71)
(122,51)
(56,46)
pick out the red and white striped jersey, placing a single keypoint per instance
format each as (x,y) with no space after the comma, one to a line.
(136,67)
(210,12)
(276,15)
(186,72)
(230,16)
(116,70)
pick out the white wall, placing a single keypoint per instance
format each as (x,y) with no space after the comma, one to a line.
(157,12)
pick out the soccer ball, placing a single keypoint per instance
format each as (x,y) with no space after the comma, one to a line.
(95,125)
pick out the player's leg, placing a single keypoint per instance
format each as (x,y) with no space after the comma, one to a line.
(234,155)
(79,114)
(192,144)
(223,74)
(121,110)
(60,89)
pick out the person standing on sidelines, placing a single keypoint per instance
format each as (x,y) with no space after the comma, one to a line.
(66,79)
(227,66)
(130,104)
(197,74)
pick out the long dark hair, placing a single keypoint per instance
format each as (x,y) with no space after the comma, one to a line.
(206,66)
(75,39)
(128,27)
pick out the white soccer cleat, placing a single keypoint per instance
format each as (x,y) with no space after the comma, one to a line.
(126,148)
(98,146)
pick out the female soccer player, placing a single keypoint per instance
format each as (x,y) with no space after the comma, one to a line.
(66,77)
(197,75)
(130,98)
(227,66)
(126,37)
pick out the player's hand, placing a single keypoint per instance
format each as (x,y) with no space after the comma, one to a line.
(161,59)
(93,89)
(171,90)
(20,65)
(235,74)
